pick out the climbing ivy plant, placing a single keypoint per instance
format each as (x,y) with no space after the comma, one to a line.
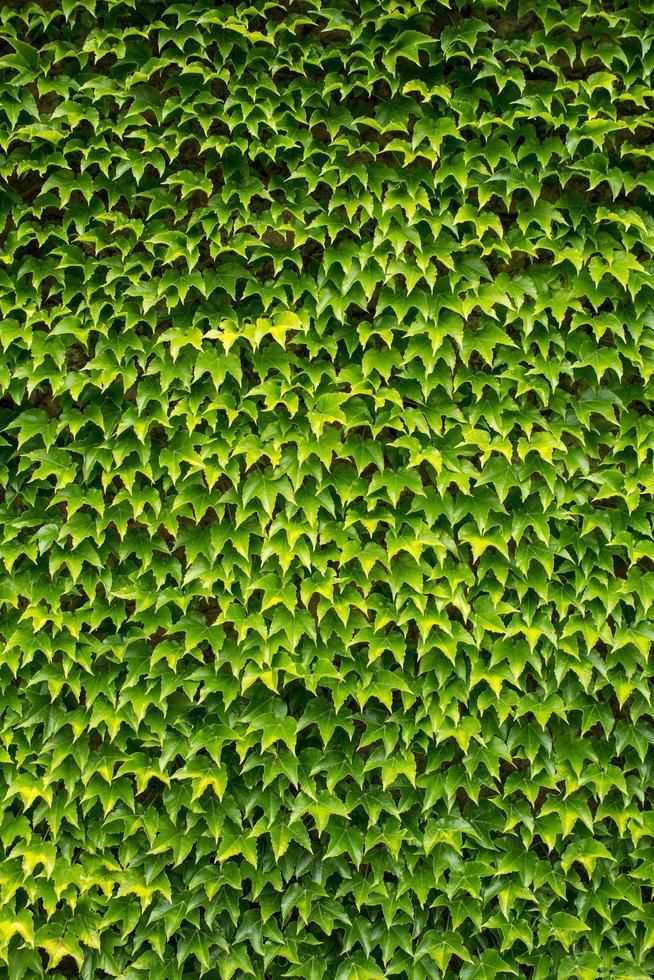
(326,475)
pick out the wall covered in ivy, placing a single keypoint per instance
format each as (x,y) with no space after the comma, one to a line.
(326,474)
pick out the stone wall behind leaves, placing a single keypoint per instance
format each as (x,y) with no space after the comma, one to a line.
(326,472)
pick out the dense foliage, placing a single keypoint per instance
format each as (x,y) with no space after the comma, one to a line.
(327,345)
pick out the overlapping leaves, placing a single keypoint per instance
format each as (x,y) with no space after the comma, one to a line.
(326,463)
